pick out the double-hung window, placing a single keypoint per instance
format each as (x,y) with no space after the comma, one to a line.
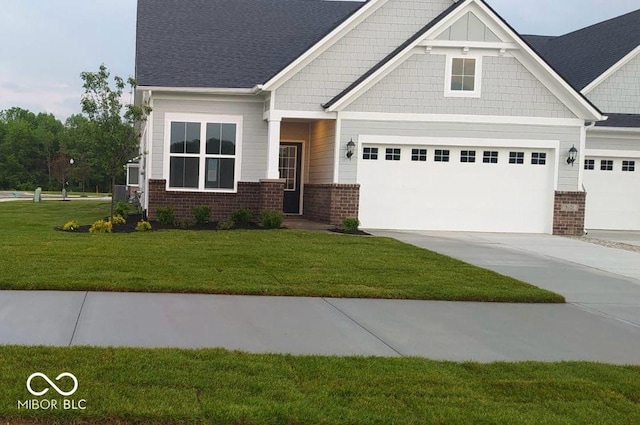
(463,76)
(204,152)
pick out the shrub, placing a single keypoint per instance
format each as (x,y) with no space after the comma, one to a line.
(101,226)
(118,219)
(143,226)
(165,215)
(185,224)
(241,216)
(226,225)
(201,213)
(121,208)
(70,226)
(350,224)
(271,219)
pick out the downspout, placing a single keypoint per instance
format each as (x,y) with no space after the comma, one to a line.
(583,147)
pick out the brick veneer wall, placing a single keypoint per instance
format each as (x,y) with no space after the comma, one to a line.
(568,213)
(267,194)
(331,203)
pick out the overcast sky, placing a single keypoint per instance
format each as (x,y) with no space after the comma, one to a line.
(45,44)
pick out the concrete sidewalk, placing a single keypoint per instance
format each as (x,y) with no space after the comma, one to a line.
(482,332)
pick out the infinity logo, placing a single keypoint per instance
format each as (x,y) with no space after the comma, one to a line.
(51,384)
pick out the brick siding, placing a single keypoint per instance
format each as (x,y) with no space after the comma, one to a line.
(256,196)
(568,213)
(331,203)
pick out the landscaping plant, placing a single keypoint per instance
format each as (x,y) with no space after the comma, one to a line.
(165,215)
(350,224)
(271,219)
(202,213)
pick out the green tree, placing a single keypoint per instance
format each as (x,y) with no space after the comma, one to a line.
(113,124)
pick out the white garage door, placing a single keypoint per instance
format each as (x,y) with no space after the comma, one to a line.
(456,188)
(613,193)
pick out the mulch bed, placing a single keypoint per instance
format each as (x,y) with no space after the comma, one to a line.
(133,219)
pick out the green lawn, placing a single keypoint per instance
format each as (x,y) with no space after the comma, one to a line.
(263,262)
(222,387)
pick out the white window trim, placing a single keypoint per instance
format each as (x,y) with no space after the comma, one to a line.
(477,92)
(203,119)
(129,167)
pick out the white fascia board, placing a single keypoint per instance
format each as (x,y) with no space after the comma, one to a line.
(625,130)
(322,45)
(458,141)
(200,90)
(609,72)
(279,115)
(612,153)
(571,98)
(384,70)
(472,119)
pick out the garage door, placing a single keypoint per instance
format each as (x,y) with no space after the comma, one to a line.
(613,193)
(456,188)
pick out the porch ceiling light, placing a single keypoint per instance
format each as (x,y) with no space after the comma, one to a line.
(573,152)
(350,148)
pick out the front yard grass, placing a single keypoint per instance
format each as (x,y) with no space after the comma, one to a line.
(170,386)
(256,262)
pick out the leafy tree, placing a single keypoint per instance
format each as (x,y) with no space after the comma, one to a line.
(112,122)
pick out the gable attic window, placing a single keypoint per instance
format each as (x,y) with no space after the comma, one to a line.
(203,152)
(463,76)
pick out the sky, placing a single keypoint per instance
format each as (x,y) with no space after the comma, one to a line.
(46,44)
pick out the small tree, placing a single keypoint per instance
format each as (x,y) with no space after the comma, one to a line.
(61,168)
(114,130)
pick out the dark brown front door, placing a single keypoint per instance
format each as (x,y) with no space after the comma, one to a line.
(290,164)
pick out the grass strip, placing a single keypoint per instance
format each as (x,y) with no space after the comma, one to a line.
(169,386)
(244,262)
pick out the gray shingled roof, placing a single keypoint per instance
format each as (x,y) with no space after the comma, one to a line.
(584,55)
(620,120)
(228,43)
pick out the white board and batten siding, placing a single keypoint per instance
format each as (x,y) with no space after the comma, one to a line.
(254,132)
(453,195)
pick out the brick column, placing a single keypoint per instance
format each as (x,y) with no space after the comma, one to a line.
(271,194)
(568,213)
(331,203)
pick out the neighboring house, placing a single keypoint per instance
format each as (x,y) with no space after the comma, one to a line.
(603,62)
(409,114)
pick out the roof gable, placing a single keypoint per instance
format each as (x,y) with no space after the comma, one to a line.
(508,39)
(468,28)
(584,55)
(203,43)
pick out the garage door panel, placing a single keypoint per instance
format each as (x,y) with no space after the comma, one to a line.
(613,197)
(429,195)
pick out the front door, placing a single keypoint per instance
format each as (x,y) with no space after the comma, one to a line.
(290,164)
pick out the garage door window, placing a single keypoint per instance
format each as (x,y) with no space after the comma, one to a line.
(490,157)
(589,164)
(370,153)
(538,158)
(516,157)
(468,156)
(606,165)
(628,166)
(441,155)
(392,154)
(419,155)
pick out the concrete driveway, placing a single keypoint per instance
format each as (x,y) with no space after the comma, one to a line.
(594,278)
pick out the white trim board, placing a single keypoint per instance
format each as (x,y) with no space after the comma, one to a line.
(609,72)
(458,141)
(611,153)
(472,119)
